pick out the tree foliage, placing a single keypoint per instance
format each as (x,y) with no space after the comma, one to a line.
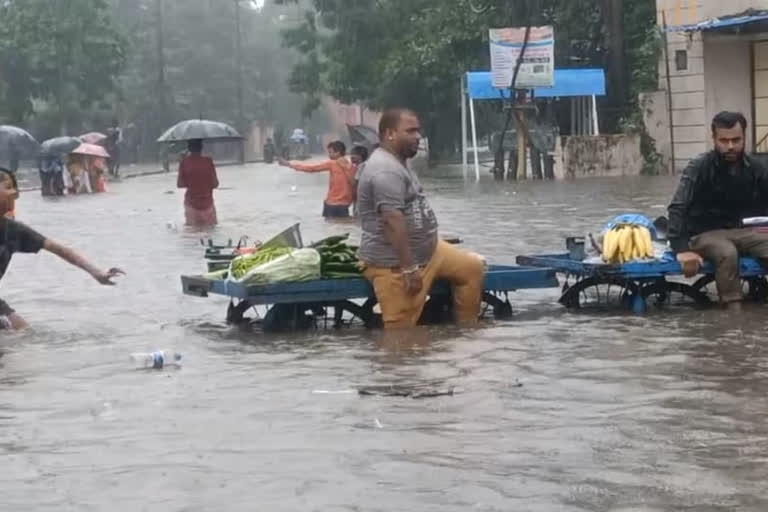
(64,52)
(74,64)
(413,52)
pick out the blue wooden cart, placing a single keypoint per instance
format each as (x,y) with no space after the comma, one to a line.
(638,285)
(296,306)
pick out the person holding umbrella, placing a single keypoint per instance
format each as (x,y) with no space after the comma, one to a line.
(16,237)
(197,174)
(87,167)
(51,179)
(51,165)
(113,142)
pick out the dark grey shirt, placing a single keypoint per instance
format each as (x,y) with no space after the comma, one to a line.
(386,185)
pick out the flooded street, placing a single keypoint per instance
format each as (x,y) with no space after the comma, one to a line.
(615,413)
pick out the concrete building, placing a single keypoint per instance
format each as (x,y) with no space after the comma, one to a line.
(717,53)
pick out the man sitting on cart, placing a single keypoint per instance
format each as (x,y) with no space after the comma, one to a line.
(716,192)
(400,249)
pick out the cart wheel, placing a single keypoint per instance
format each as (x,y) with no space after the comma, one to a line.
(600,293)
(236,312)
(365,313)
(669,293)
(502,309)
(755,288)
(289,317)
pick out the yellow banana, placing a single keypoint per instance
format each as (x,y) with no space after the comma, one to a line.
(639,242)
(648,243)
(635,249)
(616,256)
(626,243)
(610,245)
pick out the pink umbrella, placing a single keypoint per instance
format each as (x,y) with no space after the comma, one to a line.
(90,150)
(93,138)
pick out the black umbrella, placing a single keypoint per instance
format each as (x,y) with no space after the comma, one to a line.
(362,135)
(16,143)
(59,145)
(199,129)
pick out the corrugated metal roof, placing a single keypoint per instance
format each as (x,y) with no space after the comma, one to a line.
(568,82)
(723,22)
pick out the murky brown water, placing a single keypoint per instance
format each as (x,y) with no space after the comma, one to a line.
(616,413)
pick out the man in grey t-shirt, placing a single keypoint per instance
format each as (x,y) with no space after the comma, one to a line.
(400,246)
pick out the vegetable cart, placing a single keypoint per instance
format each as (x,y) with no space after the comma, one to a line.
(306,305)
(636,286)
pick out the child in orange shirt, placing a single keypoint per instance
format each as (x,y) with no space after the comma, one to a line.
(340,192)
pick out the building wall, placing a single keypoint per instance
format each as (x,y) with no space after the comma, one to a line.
(340,115)
(590,156)
(728,75)
(683,12)
(760,90)
(713,8)
(718,75)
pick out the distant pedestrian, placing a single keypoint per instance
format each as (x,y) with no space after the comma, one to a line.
(269,151)
(114,141)
(339,195)
(197,174)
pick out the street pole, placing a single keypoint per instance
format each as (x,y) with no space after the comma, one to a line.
(239,64)
(160,40)
(671,119)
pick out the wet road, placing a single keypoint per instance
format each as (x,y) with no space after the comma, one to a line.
(615,413)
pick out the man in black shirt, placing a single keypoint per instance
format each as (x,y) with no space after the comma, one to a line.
(717,191)
(17,237)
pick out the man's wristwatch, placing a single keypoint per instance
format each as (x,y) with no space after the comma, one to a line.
(410,270)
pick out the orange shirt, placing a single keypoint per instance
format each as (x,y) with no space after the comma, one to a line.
(340,191)
(198,175)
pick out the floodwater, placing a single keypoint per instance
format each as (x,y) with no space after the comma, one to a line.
(555,411)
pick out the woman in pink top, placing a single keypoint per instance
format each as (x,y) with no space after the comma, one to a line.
(197,174)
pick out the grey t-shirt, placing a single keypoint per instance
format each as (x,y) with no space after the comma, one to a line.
(385,185)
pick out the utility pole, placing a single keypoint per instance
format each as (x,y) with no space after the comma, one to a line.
(239,78)
(161,85)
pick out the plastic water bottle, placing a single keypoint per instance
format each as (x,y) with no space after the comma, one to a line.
(157,360)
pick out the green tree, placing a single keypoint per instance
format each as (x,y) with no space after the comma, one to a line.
(412,52)
(182,63)
(64,52)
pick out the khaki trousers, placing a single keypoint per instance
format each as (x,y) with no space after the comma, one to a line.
(722,248)
(464,271)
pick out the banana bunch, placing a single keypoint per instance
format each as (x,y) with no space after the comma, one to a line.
(627,242)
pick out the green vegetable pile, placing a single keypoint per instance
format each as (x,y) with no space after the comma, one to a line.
(338,260)
(242,264)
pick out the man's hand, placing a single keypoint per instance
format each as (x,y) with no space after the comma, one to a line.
(105,278)
(412,281)
(690,262)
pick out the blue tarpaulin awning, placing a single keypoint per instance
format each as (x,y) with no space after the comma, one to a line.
(732,22)
(568,82)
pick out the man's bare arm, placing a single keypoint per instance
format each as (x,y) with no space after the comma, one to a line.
(397,235)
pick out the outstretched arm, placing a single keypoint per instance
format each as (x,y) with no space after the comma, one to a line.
(298,166)
(74,258)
